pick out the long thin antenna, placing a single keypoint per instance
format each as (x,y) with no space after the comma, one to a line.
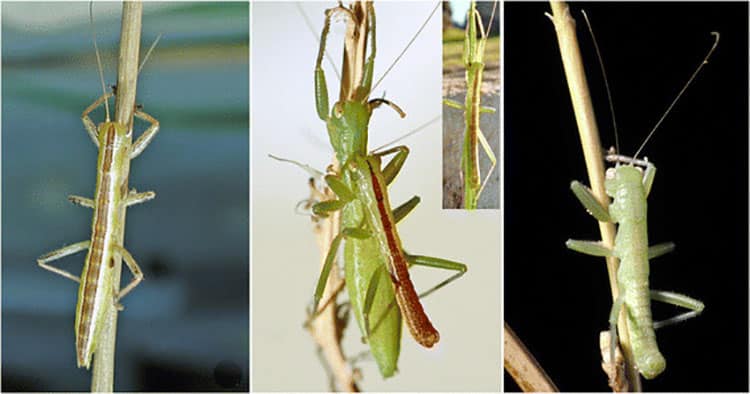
(606,82)
(98,59)
(414,37)
(697,70)
(148,53)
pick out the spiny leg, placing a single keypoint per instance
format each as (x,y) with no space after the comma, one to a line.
(60,253)
(587,199)
(695,306)
(88,123)
(144,139)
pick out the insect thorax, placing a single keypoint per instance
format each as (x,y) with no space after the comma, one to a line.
(347,129)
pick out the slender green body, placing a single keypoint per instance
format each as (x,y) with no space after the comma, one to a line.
(628,210)
(95,292)
(380,289)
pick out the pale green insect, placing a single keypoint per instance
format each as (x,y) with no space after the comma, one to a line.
(96,291)
(629,187)
(375,264)
(473,59)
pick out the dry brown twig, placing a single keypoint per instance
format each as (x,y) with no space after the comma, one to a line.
(522,365)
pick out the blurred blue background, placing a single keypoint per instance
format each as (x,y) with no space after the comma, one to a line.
(185,327)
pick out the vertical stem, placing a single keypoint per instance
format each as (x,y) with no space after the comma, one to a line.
(127,75)
(589,134)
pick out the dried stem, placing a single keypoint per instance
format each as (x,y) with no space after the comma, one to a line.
(127,75)
(522,365)
(589,134)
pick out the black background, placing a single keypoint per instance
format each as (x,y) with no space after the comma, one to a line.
(557,300)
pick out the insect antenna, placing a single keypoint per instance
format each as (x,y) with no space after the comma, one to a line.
(148,53)
(606,81)
(413,38)
(98,59)
(692,77)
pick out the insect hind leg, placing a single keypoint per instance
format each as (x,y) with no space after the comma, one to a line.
(60,253)
(695,307)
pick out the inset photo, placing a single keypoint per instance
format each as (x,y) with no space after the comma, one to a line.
(471,111)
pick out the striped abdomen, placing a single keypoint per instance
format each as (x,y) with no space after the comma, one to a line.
(95,291)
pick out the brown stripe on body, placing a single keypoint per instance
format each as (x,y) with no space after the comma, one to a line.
(406,296)
(473,125)
(96,250)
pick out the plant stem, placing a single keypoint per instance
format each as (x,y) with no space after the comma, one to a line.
(589,134)
(523,367)
(127,75)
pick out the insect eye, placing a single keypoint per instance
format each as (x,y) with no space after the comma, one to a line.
(338,110)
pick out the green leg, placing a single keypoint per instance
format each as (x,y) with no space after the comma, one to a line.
(660,249)
(321,88)
(453,104)
(394,166)
(695,306)
(142,142)
(648,178)
(435,262)
(404,209)
(88,123)
(614,313)
(357,233)
(587,199)
(345,194)
(488,150)
(372,288)
(60,253)
(592,248)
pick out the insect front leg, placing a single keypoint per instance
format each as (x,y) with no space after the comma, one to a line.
(343,192)
(88,123)
(589,202)
(60,253)
(695,306)
(591,248)
(142,142)
(397,162)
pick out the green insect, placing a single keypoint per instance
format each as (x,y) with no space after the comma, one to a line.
(629,186)
(473,58)
(375,264)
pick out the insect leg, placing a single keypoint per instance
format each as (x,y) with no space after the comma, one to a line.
(592,248)
(343,191)
(372,288)
(660,249)
(142,142)
(394,166)
(648,177)
(328,264)
(59,253)
(137,198)
(613,314)
(490,155)
(404,209)
(695,306)
(321,88)
(587,199)
(436,262)
(453,104)
(134,269)
(81,201)
(88,123)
